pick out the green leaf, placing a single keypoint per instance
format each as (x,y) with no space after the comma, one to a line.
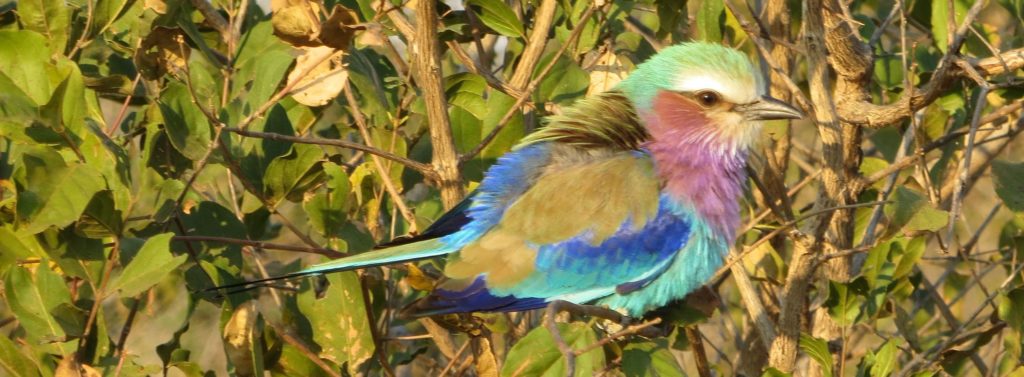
(772,372)
(566,82)
(497,105)
(536,354)
(912,252)
(101,217)
(286,173)
(327,209)
(105,13)
(32,296)
(910,212)
(295,363)
(466,90)
(465,129)
(885,359)
(17,245)
(1009,183)
(709,15)
(27,65)
(940,20)
(498,16)
(817,349)
(339,317)
(187,127)
(1011,308)
(51,18)
(649,358)
(845,300)
(148,267)
(51,192)
(14,363)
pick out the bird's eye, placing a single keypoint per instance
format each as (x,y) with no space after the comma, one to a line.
(707,98)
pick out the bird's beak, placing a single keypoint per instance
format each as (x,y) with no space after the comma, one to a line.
(768,108)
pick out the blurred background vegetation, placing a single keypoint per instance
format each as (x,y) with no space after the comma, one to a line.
(151,149)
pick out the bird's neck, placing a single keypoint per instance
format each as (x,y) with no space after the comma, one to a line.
(698,168)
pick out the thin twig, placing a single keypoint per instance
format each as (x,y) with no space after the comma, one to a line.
(961,180)
(384,173)
(424,169)
(330,253)
(699,357)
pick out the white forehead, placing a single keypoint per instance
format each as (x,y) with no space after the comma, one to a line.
(731,89)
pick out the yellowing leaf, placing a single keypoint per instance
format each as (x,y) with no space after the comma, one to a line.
(342,328)
(417,279)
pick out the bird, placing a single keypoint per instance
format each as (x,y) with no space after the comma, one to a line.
(628,199)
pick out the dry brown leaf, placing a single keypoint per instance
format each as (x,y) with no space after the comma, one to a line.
(606,72)
(238,335)
(338,29)
(164,50)
(325,78)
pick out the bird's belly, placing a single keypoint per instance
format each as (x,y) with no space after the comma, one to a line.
(690,269)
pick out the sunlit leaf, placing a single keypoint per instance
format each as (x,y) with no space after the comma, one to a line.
(885,359)
(709,20)
(941,20)
(148,267)
(49,18)
(537,355)
(27,65)
(13,362)
(1009,182)
(52,192)
(32,294)
(498,16)
(339,317)
(817,349)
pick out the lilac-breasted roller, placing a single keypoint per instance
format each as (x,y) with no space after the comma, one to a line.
(629,198)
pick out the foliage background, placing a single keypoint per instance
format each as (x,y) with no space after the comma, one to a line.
(150,149)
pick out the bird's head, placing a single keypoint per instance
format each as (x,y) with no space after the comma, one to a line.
(703,93)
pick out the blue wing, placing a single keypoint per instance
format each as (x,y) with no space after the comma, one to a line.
(579,233)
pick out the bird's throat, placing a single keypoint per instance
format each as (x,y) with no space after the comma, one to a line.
(697,170)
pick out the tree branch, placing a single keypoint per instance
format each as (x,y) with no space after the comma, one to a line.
(542,20)
(427,69)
